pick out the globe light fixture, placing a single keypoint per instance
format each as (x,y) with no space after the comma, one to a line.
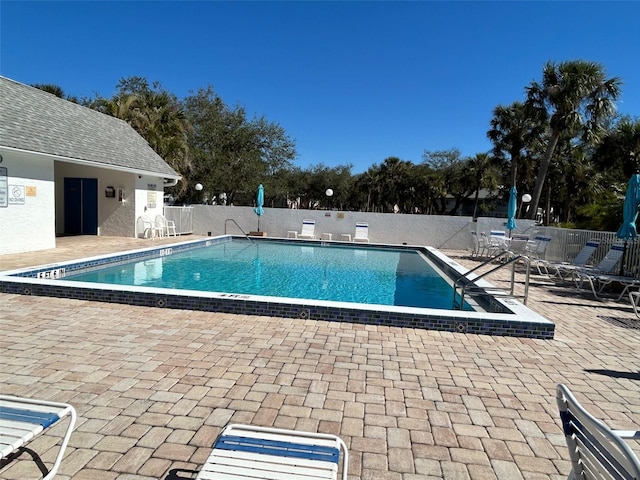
(198,186)
(526,198)
(329,192)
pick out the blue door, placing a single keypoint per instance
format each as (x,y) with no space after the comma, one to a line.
(80,206)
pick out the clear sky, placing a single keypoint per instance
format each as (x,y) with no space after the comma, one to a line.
(351,82)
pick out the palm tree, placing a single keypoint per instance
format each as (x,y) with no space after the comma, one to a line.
(513,132)
(574,97)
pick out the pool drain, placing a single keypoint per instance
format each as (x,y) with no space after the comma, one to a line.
(305,313)
(26,291)
(161,303)
(461,327)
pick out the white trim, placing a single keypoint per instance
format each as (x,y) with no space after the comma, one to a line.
(93,163)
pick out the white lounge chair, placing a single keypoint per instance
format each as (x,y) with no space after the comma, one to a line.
(249,452)
(308,230)
(555,269)
(604,274)
(23,419)
(165,227)
(362,233)
(633,298)
(596,451)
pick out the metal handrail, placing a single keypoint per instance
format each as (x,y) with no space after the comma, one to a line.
(508,258)
(236,223)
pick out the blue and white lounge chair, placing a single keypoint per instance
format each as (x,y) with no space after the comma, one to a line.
(555,269)
(248,452)
(23,419)
(596,451)
(362,232)
(308,230)
(604,274)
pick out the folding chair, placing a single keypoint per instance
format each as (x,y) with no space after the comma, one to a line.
(249,452)
(23,419)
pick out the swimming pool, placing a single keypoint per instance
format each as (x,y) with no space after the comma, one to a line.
(325,271)
(504,317)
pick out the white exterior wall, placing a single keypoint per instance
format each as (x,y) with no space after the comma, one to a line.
(438,231)
(149,199)
(115,218)
(27,223)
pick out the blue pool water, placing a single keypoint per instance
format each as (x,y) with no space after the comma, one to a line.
(287,269)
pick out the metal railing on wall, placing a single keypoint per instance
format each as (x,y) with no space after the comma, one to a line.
(182,217)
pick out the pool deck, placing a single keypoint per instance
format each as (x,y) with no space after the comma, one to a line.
(153,387)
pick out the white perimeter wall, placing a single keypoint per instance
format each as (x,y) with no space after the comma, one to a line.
(30,225)
(439,231)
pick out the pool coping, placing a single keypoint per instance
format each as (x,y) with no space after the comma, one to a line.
(44,280)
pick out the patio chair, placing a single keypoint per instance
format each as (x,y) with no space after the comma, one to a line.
(535,251)
(362,233)
(596,451)
(249,452)
(494,245)
(633,298)
(23,419)
(604,274)
(477,247)
(148,227)
(308,230)
(518,245)
(165,227)
(580,261)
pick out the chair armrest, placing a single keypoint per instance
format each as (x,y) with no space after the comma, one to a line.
(630,434)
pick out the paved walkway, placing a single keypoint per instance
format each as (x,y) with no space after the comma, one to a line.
(153,387)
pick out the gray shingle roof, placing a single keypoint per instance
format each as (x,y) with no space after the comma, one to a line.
(37,121)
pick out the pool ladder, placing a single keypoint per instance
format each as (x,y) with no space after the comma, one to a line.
(468,285)
(239,227)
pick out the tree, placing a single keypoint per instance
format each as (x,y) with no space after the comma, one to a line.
(55,90)
(514,133)
(574,97)
(485,175)
(231,153)
(619,152)
(156,115)
(457,179)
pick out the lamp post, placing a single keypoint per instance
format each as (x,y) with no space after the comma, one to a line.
(329,194)
(526,198)
(198,189)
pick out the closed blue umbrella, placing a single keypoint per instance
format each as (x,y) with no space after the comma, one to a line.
(259,202)
(628,230)
(511,209)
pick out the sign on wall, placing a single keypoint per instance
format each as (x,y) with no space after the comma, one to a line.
(16,195)
(152,195)
(4,187)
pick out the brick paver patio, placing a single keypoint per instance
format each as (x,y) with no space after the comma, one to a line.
(153,387)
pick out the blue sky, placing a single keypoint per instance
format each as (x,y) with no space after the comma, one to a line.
(351,82)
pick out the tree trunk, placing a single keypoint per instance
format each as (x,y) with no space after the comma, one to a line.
(542,173)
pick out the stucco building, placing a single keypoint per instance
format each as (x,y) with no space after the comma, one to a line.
(68,170)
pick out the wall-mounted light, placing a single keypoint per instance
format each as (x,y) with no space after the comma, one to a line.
(110,192)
